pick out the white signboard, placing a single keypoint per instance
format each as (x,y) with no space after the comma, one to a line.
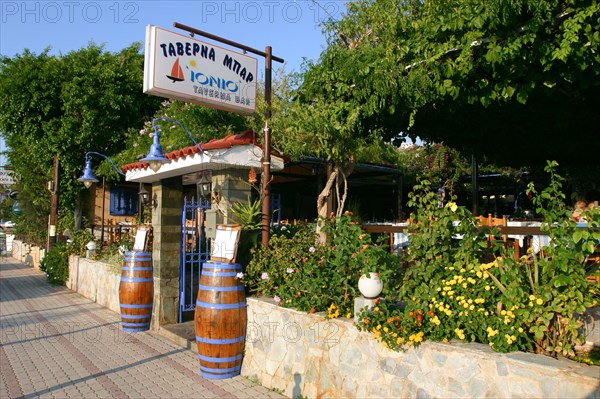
(183,68)
(6,177)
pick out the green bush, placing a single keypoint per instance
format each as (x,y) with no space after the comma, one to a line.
(453,289)
(298,273)
(56,264)
(79,240)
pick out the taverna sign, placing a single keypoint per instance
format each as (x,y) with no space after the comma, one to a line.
(183,68)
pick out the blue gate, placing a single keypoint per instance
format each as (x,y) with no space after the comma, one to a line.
(195,249)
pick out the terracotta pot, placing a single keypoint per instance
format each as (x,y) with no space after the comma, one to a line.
(370,287)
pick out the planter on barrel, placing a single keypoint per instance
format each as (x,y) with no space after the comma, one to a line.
(220,320)
(136,291)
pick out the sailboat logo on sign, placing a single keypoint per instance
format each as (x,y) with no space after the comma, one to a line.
(176,72)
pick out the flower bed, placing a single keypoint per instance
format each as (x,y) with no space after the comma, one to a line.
(456,281)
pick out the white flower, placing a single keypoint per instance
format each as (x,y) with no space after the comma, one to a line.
(312,249)
(276,299)
(240,275)
(290,270)
(264,276)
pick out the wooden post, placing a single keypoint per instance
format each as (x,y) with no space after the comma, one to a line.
(266,161)
(53,205)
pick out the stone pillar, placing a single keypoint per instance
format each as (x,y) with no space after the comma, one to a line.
(166,224)
(231,186)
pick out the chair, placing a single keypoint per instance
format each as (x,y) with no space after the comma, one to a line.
(491,221)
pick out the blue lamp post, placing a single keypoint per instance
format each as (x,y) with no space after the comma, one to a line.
(155,156)
(88,178)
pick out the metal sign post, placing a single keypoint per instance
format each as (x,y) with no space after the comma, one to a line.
(266,161)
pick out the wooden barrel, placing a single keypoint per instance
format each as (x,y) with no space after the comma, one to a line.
(220,320)
(136,291)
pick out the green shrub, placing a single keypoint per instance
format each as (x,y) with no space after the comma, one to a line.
(79,240)
(56,264)
(453,289)
(298,273)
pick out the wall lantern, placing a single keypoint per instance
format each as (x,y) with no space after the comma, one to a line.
(204,186)
(88,177)
(144,195)
(155,156)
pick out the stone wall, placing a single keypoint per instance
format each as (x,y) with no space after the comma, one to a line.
(309,355)
(94,280)
(29,254)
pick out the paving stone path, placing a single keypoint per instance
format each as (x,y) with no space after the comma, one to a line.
(55,343)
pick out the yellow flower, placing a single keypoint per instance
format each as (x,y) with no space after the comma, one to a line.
(531,297)
(460,333)
(419,337)
(492,332)
(452,205)
(400,340)
(539,301)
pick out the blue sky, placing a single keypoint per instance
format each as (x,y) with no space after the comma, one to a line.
(291,27)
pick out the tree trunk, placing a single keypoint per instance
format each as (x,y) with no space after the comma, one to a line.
(334,178)
(77,213)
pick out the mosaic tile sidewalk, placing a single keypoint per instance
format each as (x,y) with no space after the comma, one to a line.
(55,343)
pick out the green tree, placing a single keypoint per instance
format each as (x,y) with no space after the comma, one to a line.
(86,100)
(509,80)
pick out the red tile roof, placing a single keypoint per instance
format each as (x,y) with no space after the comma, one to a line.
(244,138)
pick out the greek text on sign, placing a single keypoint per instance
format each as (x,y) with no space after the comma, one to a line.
(183,68)
(6,177)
